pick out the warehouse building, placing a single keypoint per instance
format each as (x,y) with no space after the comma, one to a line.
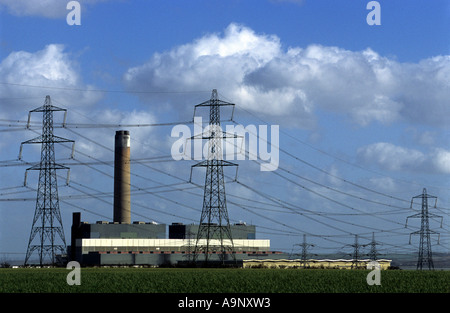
(313,263)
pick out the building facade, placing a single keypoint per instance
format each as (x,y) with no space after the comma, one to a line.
(139,243)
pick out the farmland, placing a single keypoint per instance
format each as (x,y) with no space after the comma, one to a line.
(171,280)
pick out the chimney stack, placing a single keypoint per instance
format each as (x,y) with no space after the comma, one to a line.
(122,207)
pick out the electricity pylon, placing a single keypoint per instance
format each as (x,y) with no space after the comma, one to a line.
(214,231)
(425,257)
(373,254)
(356,253)
(305,247)
(47,234)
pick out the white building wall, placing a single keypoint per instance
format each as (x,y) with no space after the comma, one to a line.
(110,244)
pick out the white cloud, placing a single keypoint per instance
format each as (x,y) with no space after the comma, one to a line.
(441,161)
(223,63)
(52,67)
(43,8)
(391,157)
(383,183)
(22,71)
(259,75)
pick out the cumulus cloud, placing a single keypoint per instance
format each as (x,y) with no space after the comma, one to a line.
(392,157)
(292,84)
(441,161)
(27,77)
(23,72)
(223,63)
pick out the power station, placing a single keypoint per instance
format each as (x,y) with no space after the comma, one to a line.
(122,242)
(213,241)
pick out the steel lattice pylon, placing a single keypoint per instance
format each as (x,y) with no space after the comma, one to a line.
(373,254)
(214,232)
(356,262)
(305,247)
(47,234)
(425,257)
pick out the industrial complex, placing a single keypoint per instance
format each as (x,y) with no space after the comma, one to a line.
(122,242)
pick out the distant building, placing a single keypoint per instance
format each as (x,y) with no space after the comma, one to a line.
(312,263)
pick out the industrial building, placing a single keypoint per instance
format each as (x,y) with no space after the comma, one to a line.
(141,243)
(122,242)
(313,263)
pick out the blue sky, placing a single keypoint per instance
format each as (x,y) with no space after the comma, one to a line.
(363,104)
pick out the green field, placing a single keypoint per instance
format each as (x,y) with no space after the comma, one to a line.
(165,280)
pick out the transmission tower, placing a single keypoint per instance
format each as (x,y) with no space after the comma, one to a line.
(47,234)
(425,257)
(355,256)
(188,246)
(214,232)
(305,247)
(373,254)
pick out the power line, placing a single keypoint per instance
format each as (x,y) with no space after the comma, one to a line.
(179,178)
(316,216)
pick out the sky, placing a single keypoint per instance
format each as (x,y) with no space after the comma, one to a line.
(362,111)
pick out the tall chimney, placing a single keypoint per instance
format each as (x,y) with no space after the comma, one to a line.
(122,208)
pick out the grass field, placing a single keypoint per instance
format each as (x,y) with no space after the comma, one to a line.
(161,280)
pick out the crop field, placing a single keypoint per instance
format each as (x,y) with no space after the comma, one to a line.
(145,280)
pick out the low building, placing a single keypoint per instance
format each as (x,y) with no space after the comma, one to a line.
(312,263)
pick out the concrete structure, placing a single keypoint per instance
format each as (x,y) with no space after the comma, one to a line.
(122,207)
(105,243)
(312,263)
